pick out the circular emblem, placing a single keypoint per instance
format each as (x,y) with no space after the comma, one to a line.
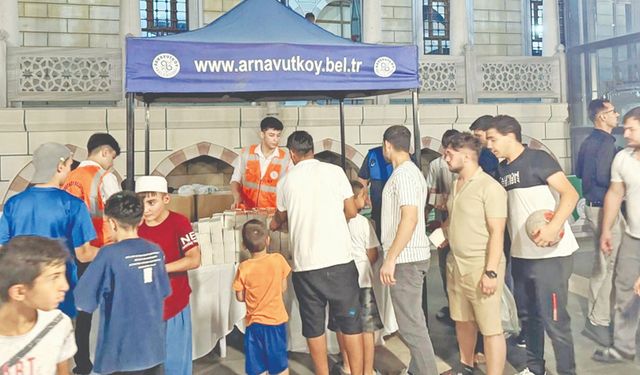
(273,175)
(372,162)
(166,65)
(384,67)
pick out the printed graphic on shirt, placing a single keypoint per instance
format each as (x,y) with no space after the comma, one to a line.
(145,262)
(188,240)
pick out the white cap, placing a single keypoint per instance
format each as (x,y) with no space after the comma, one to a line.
(156,184)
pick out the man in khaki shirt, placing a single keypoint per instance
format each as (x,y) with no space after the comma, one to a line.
(477,209)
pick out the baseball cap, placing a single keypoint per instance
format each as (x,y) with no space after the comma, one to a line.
(46,159)
(156,184)
(102,139)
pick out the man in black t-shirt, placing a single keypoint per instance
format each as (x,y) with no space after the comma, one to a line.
(542,266)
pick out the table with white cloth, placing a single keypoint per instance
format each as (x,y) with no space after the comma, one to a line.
(215,311)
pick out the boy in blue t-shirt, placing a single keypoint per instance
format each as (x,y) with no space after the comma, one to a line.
(128,280)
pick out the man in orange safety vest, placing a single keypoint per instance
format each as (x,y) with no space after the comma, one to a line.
(259,168)
(93,182)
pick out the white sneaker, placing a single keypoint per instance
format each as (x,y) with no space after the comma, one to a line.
(526,371)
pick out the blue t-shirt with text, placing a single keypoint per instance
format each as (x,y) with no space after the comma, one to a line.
(129,282)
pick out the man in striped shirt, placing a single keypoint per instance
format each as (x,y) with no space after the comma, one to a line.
(406,247)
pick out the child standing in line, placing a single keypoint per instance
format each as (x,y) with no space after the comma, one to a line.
(364,249)
(35,337)
(260,282)
(173,233)
(129,282)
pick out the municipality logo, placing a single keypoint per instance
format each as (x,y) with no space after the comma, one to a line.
(166,65)
(384,67)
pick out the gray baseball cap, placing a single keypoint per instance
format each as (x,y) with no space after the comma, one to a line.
(46,159)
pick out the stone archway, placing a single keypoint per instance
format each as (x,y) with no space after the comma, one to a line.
(329,150)
(168,164)
(23,178)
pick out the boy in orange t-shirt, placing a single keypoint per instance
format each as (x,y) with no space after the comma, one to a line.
(260,282)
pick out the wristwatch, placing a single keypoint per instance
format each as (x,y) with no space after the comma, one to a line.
(491,274)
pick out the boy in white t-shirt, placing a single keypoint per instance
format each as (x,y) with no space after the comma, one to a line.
(364,249)
(35,337)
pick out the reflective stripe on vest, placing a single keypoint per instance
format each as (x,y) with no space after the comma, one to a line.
(260,190)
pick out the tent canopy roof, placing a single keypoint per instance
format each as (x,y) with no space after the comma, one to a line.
(263,50)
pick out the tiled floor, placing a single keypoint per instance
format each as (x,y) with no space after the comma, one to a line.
(394,356)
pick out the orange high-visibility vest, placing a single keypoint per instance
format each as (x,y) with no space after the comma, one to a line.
(85,183)
(257,191)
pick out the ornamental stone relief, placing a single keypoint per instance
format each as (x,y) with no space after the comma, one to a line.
(517,77)
(65,74)
(438,76)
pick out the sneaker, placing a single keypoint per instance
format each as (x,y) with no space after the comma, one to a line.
(526,371)
(599,334)
(521,340)
(443,313)
(611,355)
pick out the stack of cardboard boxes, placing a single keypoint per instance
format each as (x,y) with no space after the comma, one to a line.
(220,236)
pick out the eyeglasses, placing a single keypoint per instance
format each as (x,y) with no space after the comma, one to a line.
(607,112)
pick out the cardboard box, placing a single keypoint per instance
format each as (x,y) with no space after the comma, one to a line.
(184,205)
(216,226)
(218,253)
(209,204)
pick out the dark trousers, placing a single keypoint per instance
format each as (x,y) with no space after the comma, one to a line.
(541,288)
(157,370)
(83,330)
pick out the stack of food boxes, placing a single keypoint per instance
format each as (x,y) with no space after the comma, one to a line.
(220,236)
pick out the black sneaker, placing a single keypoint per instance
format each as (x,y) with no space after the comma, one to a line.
(82,370)
(611,355)
(521,340)
(599,334)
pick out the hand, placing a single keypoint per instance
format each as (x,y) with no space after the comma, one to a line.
(636,287)
(274,225)
(235,204)
(606,242)
(444,244)
(488,286)
(546,236)
(387,271)
(433,225)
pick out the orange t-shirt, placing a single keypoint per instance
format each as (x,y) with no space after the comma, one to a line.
(261,280)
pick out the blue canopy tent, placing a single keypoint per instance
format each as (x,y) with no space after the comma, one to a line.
(262,50)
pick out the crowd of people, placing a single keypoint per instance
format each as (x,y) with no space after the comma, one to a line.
(75,242)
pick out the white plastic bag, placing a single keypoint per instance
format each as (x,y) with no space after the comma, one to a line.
(509,314)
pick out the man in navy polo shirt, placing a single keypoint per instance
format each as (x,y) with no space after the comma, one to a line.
(594,168)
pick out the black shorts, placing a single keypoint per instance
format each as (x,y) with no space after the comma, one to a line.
(337,285)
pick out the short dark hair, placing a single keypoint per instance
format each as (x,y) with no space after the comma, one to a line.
(446,137)
(271,123)
(254,235)
(24,258)
(399,137)
(505,124)
(465,140)
(481,123)
(310,16)
(633,114)
(356,187)
(300,142)
(596,106)
(102,139)
(125,208)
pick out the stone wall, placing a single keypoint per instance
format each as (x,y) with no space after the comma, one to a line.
(215,8)
(69,23)
(397,22)
(174,128)
(498,27)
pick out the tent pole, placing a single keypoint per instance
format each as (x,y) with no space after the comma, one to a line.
(130,141)
(417,140)
(343,158)
(146,139)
